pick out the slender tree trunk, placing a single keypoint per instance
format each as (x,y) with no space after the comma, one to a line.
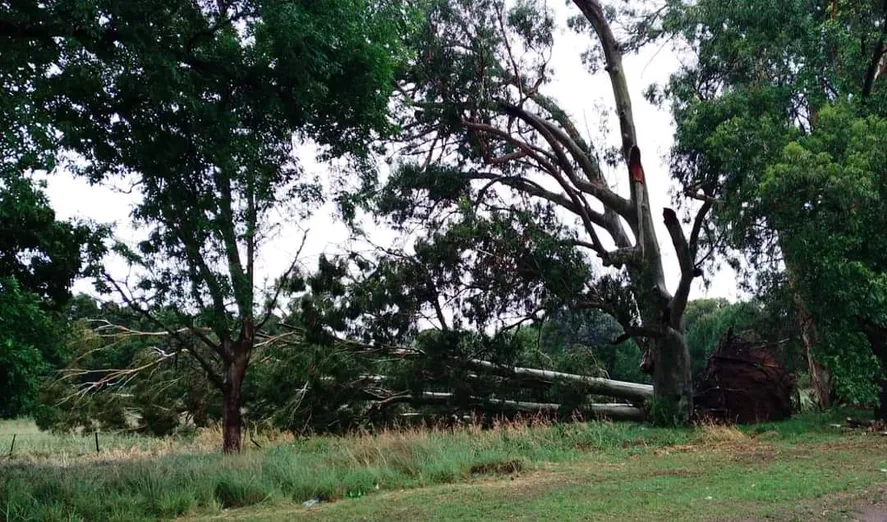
(877,337)
(819,375)
(232,421)
(881,409)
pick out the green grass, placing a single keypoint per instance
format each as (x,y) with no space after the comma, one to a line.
(787,484)
(558,471)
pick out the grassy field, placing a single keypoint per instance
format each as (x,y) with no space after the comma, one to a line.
(803,469)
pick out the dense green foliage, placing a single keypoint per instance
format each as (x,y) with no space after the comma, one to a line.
(40,257)
(828,193)
(778,122)
(517,247)
(508,211)
(30,345)
(201,105)
(43,254)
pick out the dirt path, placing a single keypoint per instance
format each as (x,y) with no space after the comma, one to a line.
(871,511)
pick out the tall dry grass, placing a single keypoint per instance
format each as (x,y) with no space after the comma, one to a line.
(149,479)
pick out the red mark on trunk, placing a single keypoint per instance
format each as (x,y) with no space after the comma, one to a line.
(634,165)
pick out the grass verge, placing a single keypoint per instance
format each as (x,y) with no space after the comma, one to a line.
(621,460)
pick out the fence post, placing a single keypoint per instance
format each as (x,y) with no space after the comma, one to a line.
(96,441)
(12,446)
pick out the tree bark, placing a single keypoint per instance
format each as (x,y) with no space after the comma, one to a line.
(877,337)
(672,382)
(232,402)
(819,375)
(596,385)
(614,411)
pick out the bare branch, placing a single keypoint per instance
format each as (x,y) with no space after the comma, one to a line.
(701,197)
(697,227)
(210,371)
(558,139)
(686,254)
(272,304)
(525,147)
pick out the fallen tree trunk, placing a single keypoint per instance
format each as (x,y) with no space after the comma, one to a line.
(595,385)
(611,411)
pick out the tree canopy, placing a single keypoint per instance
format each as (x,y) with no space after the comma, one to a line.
(769,88)
(527,274)
(200,106)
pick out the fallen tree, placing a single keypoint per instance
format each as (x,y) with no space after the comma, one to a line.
(354,383)
(595,385)
(614,411)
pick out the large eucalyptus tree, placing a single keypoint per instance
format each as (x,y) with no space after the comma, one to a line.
(513,198)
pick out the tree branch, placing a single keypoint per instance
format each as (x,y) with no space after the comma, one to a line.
(239,279)
(208,368)
(558,139)
(686,254)
(526,148)
(878,53)
(272,304)
(613,55)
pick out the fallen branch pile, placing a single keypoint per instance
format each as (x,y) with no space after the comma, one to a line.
(743,383)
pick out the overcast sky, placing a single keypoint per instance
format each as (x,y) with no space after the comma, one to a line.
(580,93)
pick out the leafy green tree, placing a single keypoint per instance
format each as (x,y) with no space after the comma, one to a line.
(826,195)
(31,343)
(763,76)
(40,257)
(198,103)
(44,255)
(512,197)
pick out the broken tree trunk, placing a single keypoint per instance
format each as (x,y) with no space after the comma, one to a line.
(595,385)
(611,411)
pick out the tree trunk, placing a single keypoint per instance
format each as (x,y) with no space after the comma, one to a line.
(672,379)
(881,408)
(613,411)
(599,386)
(877,337)
(819,375)
(232,399)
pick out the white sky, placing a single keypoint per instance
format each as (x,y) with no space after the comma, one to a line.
(580,94)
